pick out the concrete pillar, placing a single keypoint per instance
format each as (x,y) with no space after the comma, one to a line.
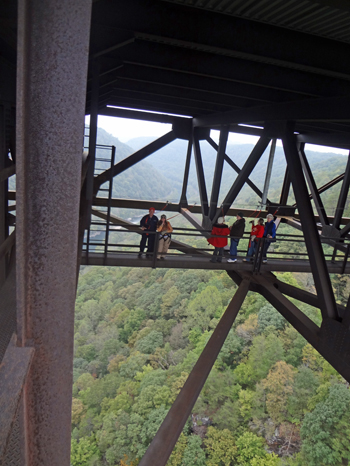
(53,43)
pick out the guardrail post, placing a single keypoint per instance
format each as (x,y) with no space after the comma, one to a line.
(155,251)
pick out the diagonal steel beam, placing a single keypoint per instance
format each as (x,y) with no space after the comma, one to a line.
(183,198)
(163,443)
(297,293)
(285,188)
(343,195)
(312,185)
(248,167)
(218,171)
(200,174)
(308,329)
(133,158)
(236,168)
(268,172)
(312,238)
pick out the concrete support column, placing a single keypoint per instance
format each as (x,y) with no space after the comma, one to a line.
(53,43)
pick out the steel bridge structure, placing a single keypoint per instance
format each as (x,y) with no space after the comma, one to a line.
(277,70)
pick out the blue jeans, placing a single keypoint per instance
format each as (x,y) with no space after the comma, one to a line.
(251,250)
(233,248)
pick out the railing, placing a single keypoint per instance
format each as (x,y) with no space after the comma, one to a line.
(117,231)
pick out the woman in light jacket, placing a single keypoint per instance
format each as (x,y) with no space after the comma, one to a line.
(164,228)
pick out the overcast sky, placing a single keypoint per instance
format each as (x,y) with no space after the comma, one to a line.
(126,129)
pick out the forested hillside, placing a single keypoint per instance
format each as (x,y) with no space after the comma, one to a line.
(137,336)
(270,400)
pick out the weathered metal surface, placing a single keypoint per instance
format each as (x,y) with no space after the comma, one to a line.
(53,46)
(219,166)
(14,454)
(13,372)
(7,311)
(163,443)
(313,187)
(312,238)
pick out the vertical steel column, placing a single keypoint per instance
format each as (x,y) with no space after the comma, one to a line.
(163,443)
(200,174)
(53,46)
(268,172)
(312,185)
(342,196)
(312,238)
(183,199)
(220,158)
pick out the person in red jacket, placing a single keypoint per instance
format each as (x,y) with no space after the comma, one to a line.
(256,233)
(219,229)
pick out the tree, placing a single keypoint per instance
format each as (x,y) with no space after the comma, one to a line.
(268,316)
(221,449)
(149,343)
(246,403)
(83,451)
(193,454)
(249,446)
(268,460)
(304,387)
(320,428)
(279,386)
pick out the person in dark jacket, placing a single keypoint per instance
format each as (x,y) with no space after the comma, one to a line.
(148,223)
(219,229)
(269,234)
(237,230)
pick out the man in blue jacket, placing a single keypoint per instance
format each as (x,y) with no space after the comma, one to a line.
(269,234)
(148,223)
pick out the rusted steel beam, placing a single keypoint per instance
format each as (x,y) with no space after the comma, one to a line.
(163,443)
(312,185)
(220,158)
(13,372)
(53,44)
(203,195)
(183,197)
(312,238)
(174,207)
(318,338)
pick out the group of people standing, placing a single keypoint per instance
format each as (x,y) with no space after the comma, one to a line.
(150,224)
(220,232)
